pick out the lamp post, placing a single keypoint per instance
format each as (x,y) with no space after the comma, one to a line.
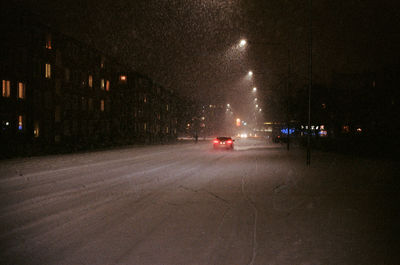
(308,162)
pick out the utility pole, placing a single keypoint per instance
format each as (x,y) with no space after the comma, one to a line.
(288,101)
(309,85)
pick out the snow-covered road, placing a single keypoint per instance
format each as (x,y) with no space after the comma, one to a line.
(189,204)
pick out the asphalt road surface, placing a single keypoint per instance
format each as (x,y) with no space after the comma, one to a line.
(188,204)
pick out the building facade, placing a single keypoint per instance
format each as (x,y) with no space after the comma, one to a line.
(60,94)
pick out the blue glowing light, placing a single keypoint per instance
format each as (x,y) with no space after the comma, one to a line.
(285,131)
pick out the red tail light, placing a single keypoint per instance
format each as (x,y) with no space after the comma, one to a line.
(216,141)
(229,141)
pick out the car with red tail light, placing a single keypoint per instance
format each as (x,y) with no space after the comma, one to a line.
(223,142)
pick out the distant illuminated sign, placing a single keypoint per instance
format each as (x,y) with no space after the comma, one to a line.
(238,122)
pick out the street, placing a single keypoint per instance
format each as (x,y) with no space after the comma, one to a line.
(188,204)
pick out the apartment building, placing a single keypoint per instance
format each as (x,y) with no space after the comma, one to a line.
(60,94)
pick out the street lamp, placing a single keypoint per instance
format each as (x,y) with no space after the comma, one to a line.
(242,43)
(250,73)
(254,89)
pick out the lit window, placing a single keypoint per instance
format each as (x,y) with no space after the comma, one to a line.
(90,81)
(102,62)
(107,85)
(145,99)
(167,130)
(36,129)
(48,71)
(102,105)
(21,90)
(20,122)
(6,88)
(145,126)
(122,78)
(167,107)
(102,84)
(48,41)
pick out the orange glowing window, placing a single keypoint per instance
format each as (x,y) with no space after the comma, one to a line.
(48,71)
(6,88)
(102,84)
(102,105)
(107,85)
(48,42)
(122,78)
(21,90)
(90,81)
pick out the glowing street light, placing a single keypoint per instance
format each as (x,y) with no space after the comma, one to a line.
(255,99)
(242,43)
(254,89)
(250,73)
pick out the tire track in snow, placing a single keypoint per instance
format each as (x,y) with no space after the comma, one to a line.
(72,197)
(88,180)
(82,212)
(251,202)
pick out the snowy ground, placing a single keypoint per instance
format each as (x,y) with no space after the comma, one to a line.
(189,204)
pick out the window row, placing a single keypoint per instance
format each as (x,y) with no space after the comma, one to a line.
(6,89)
(104,84)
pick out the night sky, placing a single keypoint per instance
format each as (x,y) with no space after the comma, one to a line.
(191,46)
